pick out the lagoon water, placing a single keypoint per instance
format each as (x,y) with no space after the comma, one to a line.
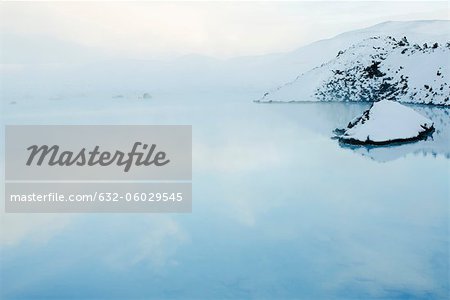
(280,210)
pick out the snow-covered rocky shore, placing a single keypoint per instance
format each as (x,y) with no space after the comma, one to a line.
(380,67)
(384,123)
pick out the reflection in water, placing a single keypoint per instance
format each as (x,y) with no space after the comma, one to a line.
(325,117)
(279,211)
(435,145)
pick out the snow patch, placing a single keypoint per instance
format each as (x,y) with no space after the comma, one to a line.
(381,67)
(386,122)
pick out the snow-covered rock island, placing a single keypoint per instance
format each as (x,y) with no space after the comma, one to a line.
(384,123)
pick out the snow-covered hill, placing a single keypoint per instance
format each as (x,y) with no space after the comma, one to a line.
(54,71)
(379,67)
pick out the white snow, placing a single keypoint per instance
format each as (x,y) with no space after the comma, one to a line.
(70,75)
(409,70)
(387,121)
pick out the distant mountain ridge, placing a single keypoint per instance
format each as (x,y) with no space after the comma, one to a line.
(381,67)
(65,70)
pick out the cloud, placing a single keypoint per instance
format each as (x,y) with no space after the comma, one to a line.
(38,228)
(158,29)
(154,247)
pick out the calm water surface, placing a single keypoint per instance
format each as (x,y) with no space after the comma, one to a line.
(280,210)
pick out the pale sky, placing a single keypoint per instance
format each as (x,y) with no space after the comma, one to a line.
(220,29)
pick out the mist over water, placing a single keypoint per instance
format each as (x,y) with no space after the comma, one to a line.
(280,210)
